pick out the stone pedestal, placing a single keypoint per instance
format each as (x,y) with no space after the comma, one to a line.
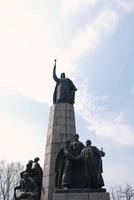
(81,196)
(61,126)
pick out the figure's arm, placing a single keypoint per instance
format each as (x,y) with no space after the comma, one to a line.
(80,156)
(102,153)
(68,154)
(74,88)
(82,145)
(72,85)
(99,152)
(54,73)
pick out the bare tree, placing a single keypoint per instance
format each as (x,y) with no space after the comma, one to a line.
(9,178)
(126,193)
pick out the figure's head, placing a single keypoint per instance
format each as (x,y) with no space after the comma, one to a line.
(29,164)
(62,76)
(76,136)
(36,159)
(67,142)
(88,143)
(25,175)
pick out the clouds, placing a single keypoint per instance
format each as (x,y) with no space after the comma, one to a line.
(23,127)
(27,43)
(104,123)
(105,21)
(89,38)
(29,39)
(18,139)
(126,6)
(115,170)
(69,7)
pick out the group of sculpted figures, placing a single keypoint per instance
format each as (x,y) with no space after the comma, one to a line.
(79,166)
(30,182)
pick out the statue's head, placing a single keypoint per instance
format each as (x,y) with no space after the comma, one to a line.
(67,142)
(88,142)
(25,175)
(36,159)
(76,136)
(29,164)
(30,161)
(62,76)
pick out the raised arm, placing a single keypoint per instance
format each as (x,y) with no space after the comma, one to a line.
(54,73)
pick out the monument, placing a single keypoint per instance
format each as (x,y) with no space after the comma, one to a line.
(61,126)
(72,170)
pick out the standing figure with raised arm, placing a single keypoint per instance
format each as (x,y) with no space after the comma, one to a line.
(65,89)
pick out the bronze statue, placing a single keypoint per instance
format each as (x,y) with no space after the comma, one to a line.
(78,166)
(92,162)
(29,168)
(37,176)
(77,147)
(64,166)
(68,168)
(27,188)
(30,182)
(65,89)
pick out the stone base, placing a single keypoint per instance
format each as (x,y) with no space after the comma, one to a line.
(61,126)
(82,196)
(83,190)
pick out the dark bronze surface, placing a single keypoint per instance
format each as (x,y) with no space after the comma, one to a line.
(64,90)
(79,166)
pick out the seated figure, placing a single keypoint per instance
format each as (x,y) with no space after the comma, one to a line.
(27,188)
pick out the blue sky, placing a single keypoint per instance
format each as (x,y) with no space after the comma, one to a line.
(93,43)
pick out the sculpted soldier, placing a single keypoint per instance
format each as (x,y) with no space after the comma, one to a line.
(64,166)
(37,176)
(68,168)
(29,168)
(65,89)
(92,162)
(77,147)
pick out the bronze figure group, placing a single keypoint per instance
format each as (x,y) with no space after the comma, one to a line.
(79,166)
(30,182)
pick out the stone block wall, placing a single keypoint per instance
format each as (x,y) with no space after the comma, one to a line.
(61,126)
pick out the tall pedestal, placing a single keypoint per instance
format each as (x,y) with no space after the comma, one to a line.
(61,126)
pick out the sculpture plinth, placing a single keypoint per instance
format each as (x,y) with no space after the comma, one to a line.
(82,196)
(61,126)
